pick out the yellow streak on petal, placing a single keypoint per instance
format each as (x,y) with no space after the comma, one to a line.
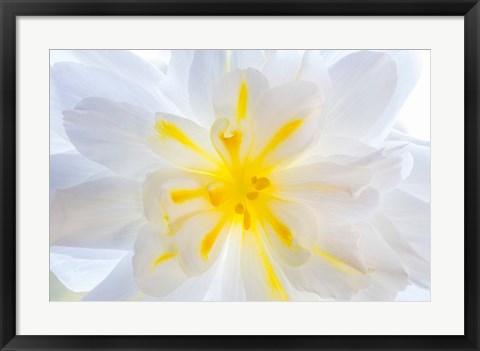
(167,129)
(180,196)
(209,239)
(282,135)
(277,290)
(162,258)
(281,229)
(336,262)
(242,102)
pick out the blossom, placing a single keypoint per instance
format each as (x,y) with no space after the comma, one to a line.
(239,175)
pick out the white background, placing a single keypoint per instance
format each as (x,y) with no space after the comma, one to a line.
(443,315)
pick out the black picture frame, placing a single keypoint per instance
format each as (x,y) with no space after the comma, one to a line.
(9,10)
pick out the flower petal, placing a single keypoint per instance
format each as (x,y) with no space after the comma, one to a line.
(417,267)
(282,67)
(67,170)
(81,269)
(171,194)
(205,71)
(113,134)
(123,63)
(119,285)
(335,192)
(237,93)
(243,59)
(363,84)
(200,239)
(183,143)
(289,228)
(104,213)
(411,217)
(262,277)
(385,267)
(285,122)
(155,263)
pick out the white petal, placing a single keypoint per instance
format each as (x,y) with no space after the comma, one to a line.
(175,84)
(282,67)
(242,59)
(227,283)
(327,280)
(418,268)
(334,192)
(119,285)
(59,144)
(200,239)
(113,134)
(389,167)
(155,263)
(183,143)
(262,277)
(73,82)
(418,182)
(82,272)
(237,93)
(409,66)
(385,267)
(313,69)
(205,71)
(290,228)
(67,170)
(336,149)
(411,217)
(104,213)
(363,84)
(123,63)
(171,194)
(285,122)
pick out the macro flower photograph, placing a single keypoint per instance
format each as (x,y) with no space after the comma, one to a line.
(239,175)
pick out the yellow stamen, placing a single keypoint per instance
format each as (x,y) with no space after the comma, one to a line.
(242,102)
(336,262)
(162,258)
(218,193)
(247,220)
(239,209)
(252,195)
(262,183)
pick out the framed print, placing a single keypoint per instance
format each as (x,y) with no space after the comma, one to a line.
(224,175)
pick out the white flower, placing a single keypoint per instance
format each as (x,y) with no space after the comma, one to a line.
(239,175)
